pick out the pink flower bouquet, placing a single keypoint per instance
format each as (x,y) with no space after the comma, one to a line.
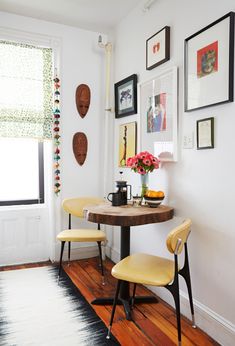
(143,163)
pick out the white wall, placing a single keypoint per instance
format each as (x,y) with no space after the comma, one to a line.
(201,184)
(81,61)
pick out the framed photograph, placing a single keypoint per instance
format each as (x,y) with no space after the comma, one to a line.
(127,142)
(125,93)
(158,48)
(209,65)
(205,133)
(158,113)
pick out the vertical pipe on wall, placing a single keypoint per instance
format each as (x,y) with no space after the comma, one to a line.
(107,123)
(108,53)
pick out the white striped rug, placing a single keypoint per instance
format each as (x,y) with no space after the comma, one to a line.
(35,310)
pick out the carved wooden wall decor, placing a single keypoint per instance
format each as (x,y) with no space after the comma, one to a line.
(83,97)
(80,146)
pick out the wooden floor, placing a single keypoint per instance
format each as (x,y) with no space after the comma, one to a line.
(153,324)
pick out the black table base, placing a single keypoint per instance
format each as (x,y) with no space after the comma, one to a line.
(126,303)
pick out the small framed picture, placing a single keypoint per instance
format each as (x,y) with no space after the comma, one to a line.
(158,48)
(205,133)
(127,142)
(209,65)
(125,93)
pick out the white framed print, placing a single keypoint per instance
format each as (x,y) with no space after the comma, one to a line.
(158,115)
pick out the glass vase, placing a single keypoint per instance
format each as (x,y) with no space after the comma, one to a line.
(144,178)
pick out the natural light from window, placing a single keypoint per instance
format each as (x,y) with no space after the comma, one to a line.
(19,173)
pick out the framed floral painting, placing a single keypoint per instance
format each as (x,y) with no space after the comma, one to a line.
(209,65)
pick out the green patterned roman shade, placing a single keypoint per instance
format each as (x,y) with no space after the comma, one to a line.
(25,91)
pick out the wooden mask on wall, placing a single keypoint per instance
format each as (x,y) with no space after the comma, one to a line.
(83,97)
(80,146)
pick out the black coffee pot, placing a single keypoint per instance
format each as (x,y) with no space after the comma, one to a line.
(124,191)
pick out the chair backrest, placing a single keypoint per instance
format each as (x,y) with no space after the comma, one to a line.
(75,206)
(178,237)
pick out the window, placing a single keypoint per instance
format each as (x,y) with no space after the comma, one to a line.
(21,173)
(25,119)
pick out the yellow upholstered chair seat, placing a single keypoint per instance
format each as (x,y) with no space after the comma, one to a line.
(145,269)
(81,235)
(75,207)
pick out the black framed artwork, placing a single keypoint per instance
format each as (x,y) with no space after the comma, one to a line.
(125,92)
(205,133)
(209,65)
(158,48)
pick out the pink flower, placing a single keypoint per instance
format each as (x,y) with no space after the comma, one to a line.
(142,155)
(129,162)
(147,161)
(141,170)
(155,160)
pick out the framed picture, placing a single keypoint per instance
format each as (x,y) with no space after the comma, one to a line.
(209,65)
(205,133)
(158,112)
(126,96)
(158,48)
(127,142)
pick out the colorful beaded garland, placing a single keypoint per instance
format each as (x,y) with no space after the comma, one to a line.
(56,129)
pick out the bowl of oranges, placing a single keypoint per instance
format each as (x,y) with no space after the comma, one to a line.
(154,198)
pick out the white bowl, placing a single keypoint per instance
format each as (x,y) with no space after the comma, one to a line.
(153,202)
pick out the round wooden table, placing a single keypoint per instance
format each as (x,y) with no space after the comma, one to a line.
(126,216)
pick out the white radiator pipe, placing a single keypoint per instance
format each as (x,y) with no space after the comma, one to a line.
(107,118)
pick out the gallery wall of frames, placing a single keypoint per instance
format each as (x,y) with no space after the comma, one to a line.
(208,81)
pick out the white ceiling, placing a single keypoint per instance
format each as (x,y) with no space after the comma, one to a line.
(95,15)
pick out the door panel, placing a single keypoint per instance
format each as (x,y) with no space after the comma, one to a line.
(24,236)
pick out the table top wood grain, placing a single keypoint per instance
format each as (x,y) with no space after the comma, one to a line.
(127,215)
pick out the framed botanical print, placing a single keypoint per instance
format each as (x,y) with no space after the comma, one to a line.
(127,142)
(125,93)
(209,65)
(158,48)
(158,112)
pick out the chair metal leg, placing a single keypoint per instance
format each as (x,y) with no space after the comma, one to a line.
(114,308)
(101,262)
(174,289)
(61,256)
(133,296)
(69,252)
(185,272)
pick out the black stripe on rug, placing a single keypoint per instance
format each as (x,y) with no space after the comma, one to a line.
(35,310)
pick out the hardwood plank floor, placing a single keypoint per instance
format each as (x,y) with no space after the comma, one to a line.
(153,324)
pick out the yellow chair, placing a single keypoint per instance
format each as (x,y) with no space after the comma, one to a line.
(74,207)
(158,271)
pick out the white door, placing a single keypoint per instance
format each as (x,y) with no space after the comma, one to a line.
(24,235)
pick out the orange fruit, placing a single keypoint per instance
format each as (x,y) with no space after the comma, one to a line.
(160,194)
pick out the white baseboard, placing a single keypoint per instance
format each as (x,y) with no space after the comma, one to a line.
(77,253)
(220,329)
(115,255)
(209,321)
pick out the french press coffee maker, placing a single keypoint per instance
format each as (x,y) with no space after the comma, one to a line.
(124,191)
